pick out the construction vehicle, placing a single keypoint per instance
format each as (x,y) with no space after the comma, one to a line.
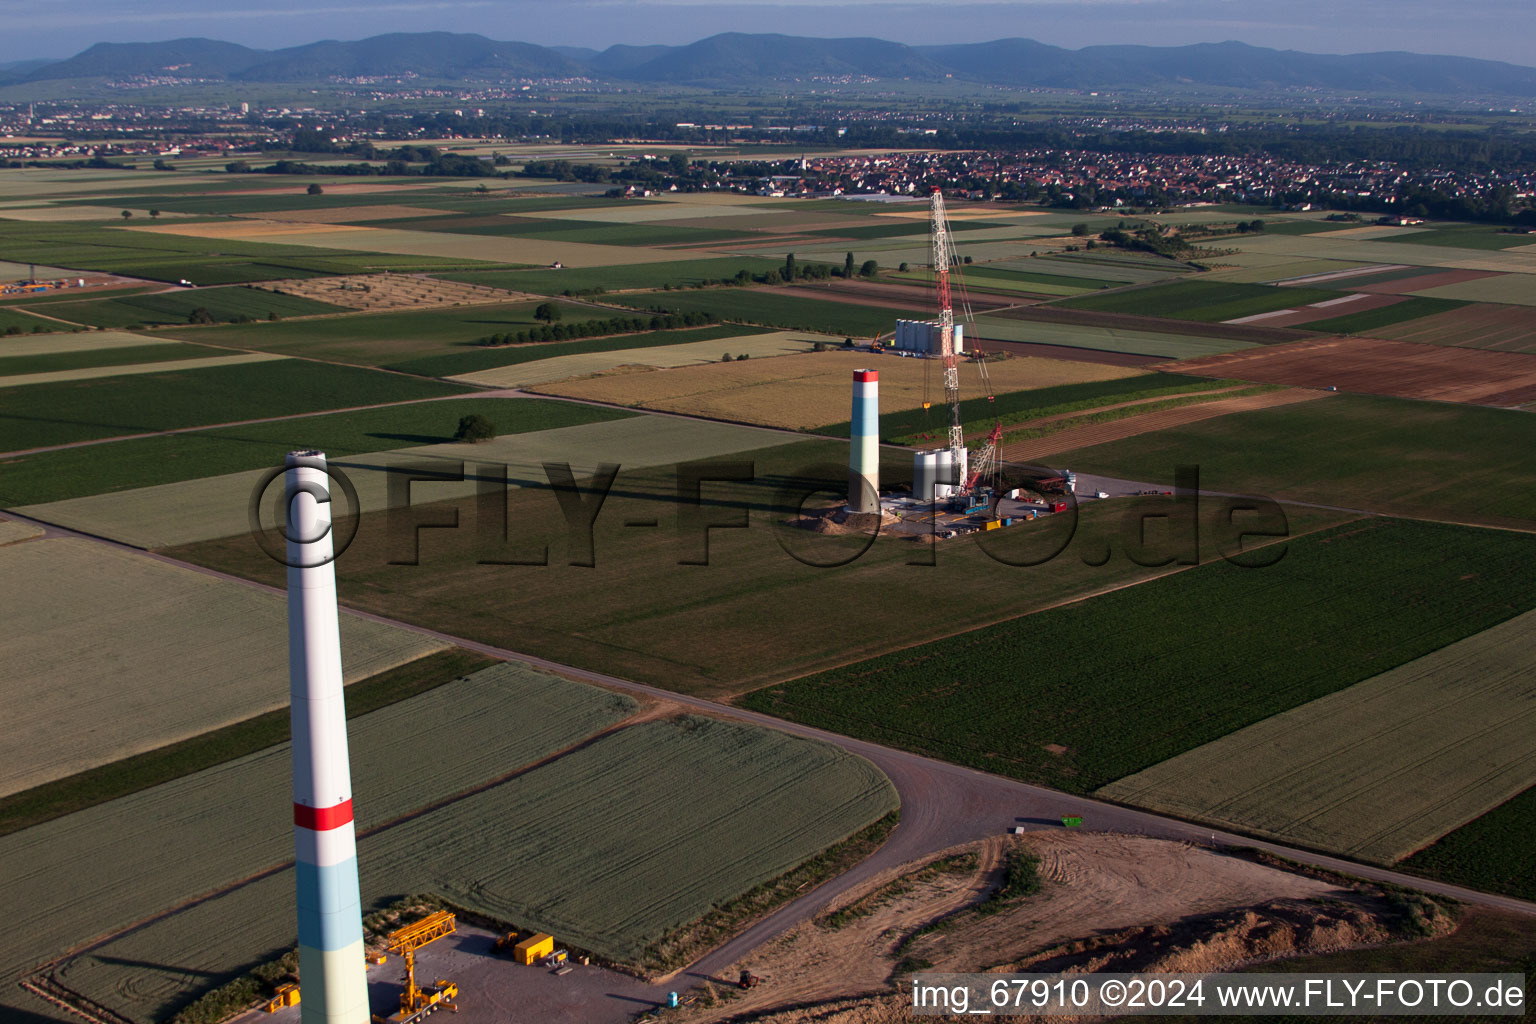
(504,943)
(286,995)
(748,980)
(418,1003)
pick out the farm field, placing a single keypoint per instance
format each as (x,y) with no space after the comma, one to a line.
(1128,270)
(154,350)
(768,307)
(1371,321)
(46,414)
(195,360)
(1515,289)
(375,339)
(573,280)
(615,889)
(102,868)
(1116,425)
(373,292)
(1485,326)
(621,614)
(149,461)
(1470,236)
(633,362)
(1378,770)
(223,304)
(13,530)
(1114,708)
(803,391)
(1432,460)
(1206,301)
(1415,279)
(112,653)
(1383,368)
(19,321)
(1493,853)
(1386,250)
(202,508)
(504,358)
(1107,339)
(435,244)
(81,341)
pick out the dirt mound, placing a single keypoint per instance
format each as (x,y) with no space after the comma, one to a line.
(840,522)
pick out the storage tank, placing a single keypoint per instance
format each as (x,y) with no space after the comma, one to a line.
(924,468)
(944,479)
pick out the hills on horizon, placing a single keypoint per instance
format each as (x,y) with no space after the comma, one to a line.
(736,58)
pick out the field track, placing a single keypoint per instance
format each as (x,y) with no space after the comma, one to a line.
(1394,368)
(1300,316)
(1101,433)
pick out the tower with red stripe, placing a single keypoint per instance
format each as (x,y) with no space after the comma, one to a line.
(332,973)
(864,448)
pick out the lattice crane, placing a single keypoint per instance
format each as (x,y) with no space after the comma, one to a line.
(416,1003)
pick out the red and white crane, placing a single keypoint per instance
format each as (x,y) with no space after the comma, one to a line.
(984,465)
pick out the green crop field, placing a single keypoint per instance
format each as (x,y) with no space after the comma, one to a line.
(1426,459)
(771,308)
(1366,321)
(47,414)
(1133,678)
(19,321)
(176,307)
(1374,771)
(1494,853)
(1468,236)
(1206,301)
(623,613)
(151,461)
(1105,339)
(77,359)
(478,359)
(375,339)
(572,280)
(410,755)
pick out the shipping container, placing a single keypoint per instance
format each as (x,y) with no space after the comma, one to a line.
(533,949)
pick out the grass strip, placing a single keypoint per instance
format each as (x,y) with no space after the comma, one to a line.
(151,768)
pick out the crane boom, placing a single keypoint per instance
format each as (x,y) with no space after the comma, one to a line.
(943,258)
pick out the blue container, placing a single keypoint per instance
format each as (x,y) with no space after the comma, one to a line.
(672,1000)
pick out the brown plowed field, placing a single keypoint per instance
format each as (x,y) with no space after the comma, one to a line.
(1378,367)
(390,291)
(1125,321)
(1082,437)
(1307,314)
(1420,282)
(1486,325)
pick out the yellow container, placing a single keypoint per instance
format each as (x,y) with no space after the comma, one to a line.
(287,995)
(993,524)
(533,949)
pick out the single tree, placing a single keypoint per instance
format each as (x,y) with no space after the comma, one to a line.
(314,189)
(153,214)
(547,311)
(127,214)
(475,428)
(869,269)
(789,267)
(1079,230)
(902,268)
(848,265)
(725,358)
(200,315)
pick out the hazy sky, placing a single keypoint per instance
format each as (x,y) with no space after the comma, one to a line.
(1499,29)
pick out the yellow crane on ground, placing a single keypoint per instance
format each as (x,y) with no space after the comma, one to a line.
(417,1003)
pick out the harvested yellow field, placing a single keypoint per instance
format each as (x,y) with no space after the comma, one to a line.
(389,291)
(110,652)
(93,372)
(541,371)
(801,392)
(13,530)
(346,214)
(1378,770)
(644,212)
(84,341)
